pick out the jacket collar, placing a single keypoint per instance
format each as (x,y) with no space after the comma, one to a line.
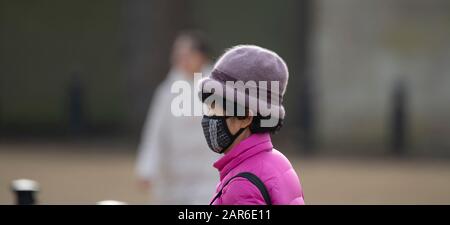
(248,147)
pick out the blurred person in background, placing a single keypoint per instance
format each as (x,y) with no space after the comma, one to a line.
(173,162)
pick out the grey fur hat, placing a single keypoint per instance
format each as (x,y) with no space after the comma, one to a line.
(251,65)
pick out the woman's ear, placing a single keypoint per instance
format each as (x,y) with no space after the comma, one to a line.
(247,120)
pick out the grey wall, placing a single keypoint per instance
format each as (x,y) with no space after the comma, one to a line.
(360,49)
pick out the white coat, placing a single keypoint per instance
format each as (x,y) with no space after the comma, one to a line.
(173,153)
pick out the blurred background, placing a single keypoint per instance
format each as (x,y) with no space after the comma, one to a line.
(368,102)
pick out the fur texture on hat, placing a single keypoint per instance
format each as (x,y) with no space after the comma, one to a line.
(253,66)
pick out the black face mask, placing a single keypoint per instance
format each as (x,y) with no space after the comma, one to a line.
(217,133)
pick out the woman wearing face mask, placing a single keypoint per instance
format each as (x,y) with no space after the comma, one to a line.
(251,170)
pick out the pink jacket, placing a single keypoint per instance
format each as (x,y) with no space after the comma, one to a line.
(255,154)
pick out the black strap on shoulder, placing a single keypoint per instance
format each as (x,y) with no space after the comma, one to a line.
(254,180)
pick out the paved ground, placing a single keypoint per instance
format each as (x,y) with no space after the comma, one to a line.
(86,173)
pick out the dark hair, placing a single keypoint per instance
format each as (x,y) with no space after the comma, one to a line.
(198,40)
(255,126)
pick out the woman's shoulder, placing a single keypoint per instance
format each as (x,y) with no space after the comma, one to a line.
(274,160)
(282,179)
(275,170)
(269,166)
